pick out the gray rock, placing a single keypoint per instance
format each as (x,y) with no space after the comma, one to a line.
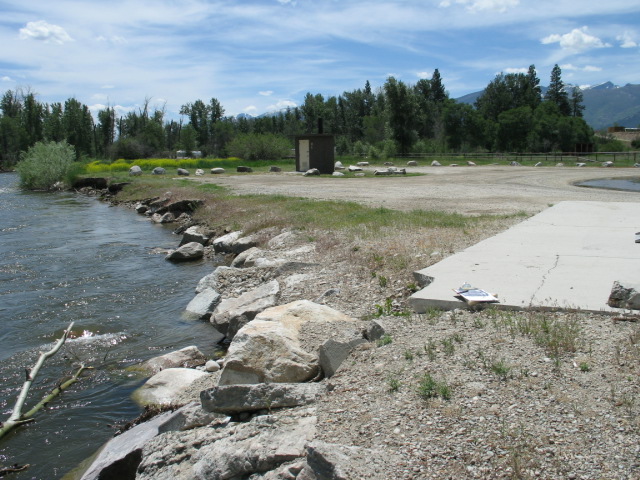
(188,252)
(166,386)
(294,333)
(539,164)
(422,280)
(581,164)
(376,329)
(275,169)
(135,170)
(224,244)
(363,164)
(187,357)
(470,163)
(334,351)
(234,313)
(231,451)
(141,208)
(248,258)
(515,164)
(625,295)
(203,304)
(311,172)
(210,281)
(328,461)
(338,166)
(167,217)
(233,399)
(607,164)
(183,171)
(120,456)
(354,169)
(212,366)
(436,163)
(412,163)
(158,171)
(194,234)
(243,169)
(338,174)
(217,170)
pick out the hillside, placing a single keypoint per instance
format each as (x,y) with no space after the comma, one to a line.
(605,105)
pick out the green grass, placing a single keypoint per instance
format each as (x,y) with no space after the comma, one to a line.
(148,164)
(385,340)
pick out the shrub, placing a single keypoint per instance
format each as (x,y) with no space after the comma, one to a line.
(45,164)
(254,146)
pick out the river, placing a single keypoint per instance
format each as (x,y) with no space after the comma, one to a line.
(66,257)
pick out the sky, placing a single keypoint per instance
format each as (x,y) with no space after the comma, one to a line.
(256,56)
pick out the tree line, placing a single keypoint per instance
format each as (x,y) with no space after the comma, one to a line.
(512,115)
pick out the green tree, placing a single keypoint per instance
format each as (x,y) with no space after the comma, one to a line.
(401,110)
(513,129)
(557,93)
(45,164)
(577,108)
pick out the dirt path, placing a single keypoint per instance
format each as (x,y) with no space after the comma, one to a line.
(468,190)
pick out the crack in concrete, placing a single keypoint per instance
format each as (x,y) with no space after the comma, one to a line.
(544,279)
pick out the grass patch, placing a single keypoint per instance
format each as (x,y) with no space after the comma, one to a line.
(385,340)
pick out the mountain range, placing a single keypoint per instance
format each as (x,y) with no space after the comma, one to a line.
(605,104)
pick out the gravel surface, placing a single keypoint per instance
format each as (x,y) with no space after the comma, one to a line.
(468,190)
(464,394)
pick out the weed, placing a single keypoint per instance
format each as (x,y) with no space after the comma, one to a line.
(449,347)
(457,337)
(584,367)
(394,384)
(501,369)
(383,281)
(388,309)
(408,355)
(429,388)
(385,340)
(430,349)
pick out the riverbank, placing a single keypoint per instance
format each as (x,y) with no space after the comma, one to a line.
(450,394)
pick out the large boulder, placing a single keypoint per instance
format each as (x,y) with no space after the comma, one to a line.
(165,387)
(234,399)
(233,451)
(186,357)
(203,304)
(195,234)
(217,170)
(135,170)
(183,171)
(234,242)
(234,313)
(158,171)
(188,252)
(282,344)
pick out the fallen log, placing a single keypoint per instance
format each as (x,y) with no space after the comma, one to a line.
(18,418)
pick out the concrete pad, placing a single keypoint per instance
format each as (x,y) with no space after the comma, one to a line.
(566,257)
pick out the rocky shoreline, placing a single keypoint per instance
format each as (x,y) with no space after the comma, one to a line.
(362,388)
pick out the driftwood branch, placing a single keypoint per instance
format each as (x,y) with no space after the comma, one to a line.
(17,417)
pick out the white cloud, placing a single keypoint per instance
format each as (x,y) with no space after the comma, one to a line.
(587,68)
(627,40)
(45,32)
(285,2)
(480,5)
(266,93)
(250,108)
(577,40)
(424,74)
(6,79)
(281,105)
(516,70)
(116,39)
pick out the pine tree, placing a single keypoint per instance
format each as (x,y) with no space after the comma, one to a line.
(557,93)
(576,102)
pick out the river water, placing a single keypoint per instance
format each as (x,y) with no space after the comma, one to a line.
(66,257)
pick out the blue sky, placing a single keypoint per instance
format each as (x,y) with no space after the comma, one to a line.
(261,55)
